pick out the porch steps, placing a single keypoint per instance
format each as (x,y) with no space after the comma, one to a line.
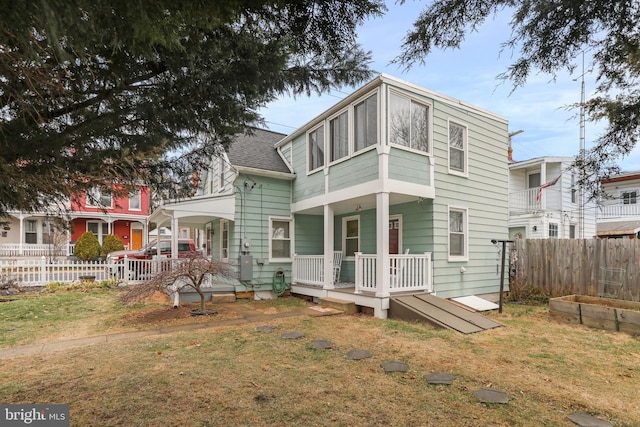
(438,312)
(347,307)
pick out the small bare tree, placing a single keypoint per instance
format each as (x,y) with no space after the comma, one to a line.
(175,275)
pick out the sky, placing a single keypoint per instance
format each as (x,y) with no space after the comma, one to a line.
(539,108)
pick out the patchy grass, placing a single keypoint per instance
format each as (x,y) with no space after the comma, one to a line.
(236,376)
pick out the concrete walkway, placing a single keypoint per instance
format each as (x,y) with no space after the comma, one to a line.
(247,316)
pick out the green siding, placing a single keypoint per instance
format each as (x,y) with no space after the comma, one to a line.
(341,175)
(484,192)
(305,186)
(309,238)
(408,166)
(270,197)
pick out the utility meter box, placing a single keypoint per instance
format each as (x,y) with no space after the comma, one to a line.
(246,267)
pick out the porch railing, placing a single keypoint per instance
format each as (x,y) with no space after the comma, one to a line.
(308,270)
(406,273)
(35,250)
(524,201)
(619,210)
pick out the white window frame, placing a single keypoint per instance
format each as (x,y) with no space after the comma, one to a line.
(574,189)
(633,199)
(553,230)
(31,228)
(465,233)
(137,194)
(330,141)
(222,171)
(311,170)
(465,148)
(101,229)
(94,195)
(224,228)
(345,220)
(412,101)
(575,231)
(288,220)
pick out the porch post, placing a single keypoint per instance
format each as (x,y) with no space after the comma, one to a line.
(20,248)
(382,245)
(174,237)
(328,248)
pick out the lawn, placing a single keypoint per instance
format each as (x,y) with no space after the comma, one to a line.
(238,376)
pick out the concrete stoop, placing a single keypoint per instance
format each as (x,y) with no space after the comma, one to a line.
(347,307)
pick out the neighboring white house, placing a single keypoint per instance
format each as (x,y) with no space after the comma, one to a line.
(619,214)
(545,201)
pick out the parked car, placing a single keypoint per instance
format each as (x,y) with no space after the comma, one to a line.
(140,260)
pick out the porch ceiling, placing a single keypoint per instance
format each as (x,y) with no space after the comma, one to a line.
(361,203)
(197,211)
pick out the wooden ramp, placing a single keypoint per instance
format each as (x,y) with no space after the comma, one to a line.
(439,312)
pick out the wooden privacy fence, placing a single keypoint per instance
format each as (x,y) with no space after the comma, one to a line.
(577,266)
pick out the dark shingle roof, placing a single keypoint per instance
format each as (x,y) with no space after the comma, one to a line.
(256,151)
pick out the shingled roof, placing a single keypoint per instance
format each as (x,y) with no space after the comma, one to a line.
(257,151)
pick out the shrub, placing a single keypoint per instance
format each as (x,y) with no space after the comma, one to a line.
(111,243)
(87,247)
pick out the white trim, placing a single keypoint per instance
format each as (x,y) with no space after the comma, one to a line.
(348,112)
(344,235)
(290,221)
(139,195)
(465,225)
(398,217)
(220,240)
(465,149)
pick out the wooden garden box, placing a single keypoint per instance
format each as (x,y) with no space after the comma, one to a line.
(596,312)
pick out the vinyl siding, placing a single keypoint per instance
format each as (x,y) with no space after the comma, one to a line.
(409,167)
(341,175)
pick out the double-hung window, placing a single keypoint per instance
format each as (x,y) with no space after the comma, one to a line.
(31,231)
(629,197)
(409,123)
(457,149)
(365,117)
(95,198)
(280,239)
(458,235)
(134,201)
(553,230)
(224,239)
(339,136)
(351,235)
(315,141)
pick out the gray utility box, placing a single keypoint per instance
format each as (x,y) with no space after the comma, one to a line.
(246,267)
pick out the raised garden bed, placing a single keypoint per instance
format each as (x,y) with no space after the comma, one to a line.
(601,313)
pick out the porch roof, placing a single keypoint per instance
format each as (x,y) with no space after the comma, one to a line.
(618,228)
(197,211)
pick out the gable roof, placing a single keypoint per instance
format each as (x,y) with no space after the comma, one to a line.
(256,151)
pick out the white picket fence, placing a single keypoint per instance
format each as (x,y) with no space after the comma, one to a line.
(40,272)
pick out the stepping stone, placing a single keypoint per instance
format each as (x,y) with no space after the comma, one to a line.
(321,345)
(358,354)
(439,378)
(265,328)
(585,420)
(488,395)
(395,366)
(292,335)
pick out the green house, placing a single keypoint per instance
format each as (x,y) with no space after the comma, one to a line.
(396,189)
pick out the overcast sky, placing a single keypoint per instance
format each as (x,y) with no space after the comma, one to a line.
(470,74)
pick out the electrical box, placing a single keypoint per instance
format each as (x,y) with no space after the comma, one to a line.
(246,267)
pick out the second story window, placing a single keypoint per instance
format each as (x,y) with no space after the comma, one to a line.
(315,142)
(95,198)
(365,117)
(457,149)
(409,123)
(629,197)
(339,136)
(134,201)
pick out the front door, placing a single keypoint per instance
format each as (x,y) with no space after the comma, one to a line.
(394,236)
(136,238)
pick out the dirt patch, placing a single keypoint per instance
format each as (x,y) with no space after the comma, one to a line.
(166,314)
